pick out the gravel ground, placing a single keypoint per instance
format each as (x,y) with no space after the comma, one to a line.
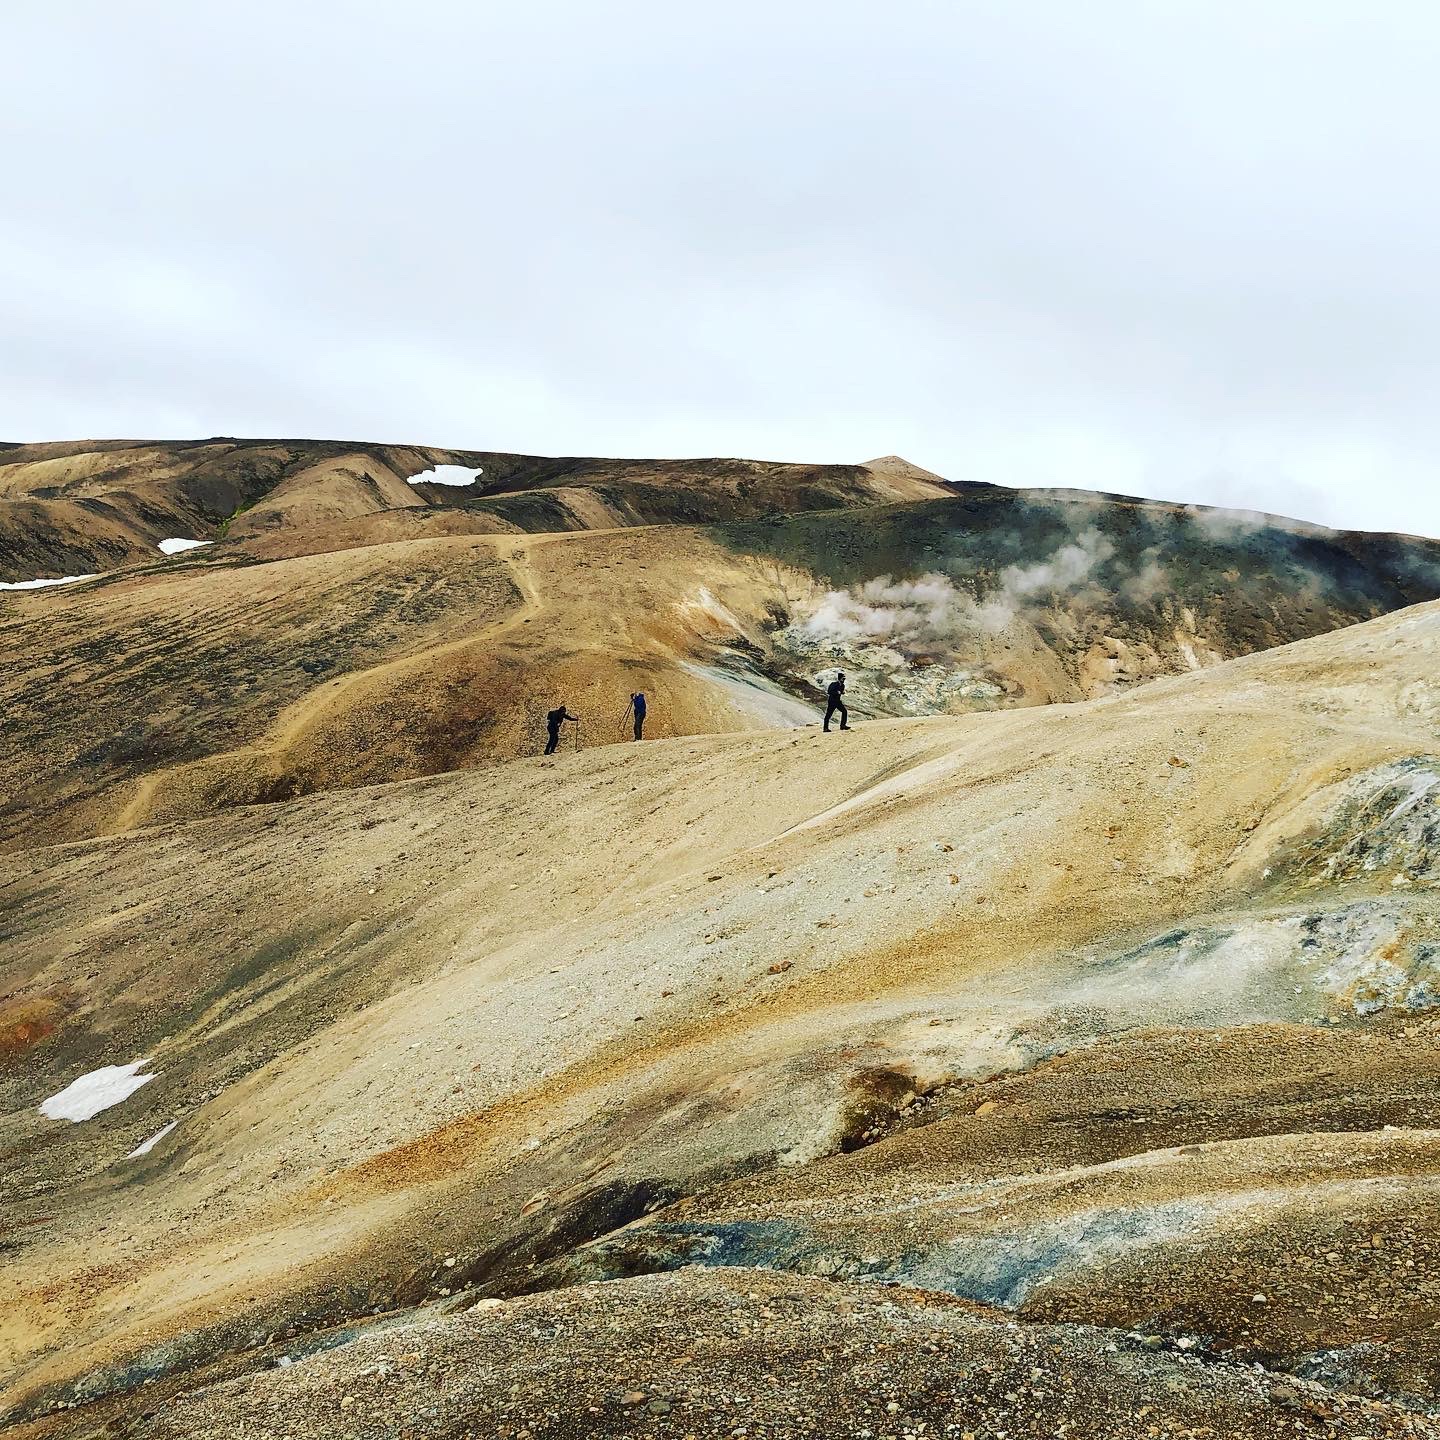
(770,1357)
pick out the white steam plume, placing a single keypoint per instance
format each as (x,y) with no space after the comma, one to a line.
(1227,526)
(917,616)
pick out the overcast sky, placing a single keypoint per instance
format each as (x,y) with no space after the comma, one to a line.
(1183,250)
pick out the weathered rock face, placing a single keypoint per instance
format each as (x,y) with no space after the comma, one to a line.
(1067,1191)
(713,1355)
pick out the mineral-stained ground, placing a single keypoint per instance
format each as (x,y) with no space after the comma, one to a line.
(1054,1053)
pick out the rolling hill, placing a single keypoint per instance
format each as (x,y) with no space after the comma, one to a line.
(1055,1052)
(298,652)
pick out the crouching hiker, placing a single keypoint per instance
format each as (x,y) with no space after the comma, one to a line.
(554,719)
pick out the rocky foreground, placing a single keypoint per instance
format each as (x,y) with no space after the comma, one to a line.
(752,1353)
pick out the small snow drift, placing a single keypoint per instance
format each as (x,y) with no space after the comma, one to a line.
(175,546)
(36,584)
(146,1146)
(447,475)
(97,1091)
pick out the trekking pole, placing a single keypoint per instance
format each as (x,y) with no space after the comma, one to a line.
(577,737)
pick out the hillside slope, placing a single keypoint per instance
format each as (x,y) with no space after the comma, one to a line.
(244,673)
(1117,1013)
(79,508)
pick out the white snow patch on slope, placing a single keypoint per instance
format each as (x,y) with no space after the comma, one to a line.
(36,584)
(147,1146)
(447,475)
(175,546)
(97,1091)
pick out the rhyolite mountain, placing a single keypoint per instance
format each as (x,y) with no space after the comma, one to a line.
(1055,1052)
(345,626)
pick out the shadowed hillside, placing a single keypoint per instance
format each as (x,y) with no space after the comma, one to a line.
(1002,597)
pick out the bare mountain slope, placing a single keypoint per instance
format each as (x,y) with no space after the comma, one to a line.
(1057,1055)
(996,597)
(1000,1005)
(88,506)
(223,677)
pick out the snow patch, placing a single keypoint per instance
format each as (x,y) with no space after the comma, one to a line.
(447,475)
(145,1147)
(175,546)
(36,584)
(97,1091)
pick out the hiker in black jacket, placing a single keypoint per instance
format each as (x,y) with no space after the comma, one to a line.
(553,721)
(833,693)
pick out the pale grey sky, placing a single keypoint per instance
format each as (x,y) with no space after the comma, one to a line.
(1179,249)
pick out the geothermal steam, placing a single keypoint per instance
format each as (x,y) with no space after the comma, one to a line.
(918,617)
